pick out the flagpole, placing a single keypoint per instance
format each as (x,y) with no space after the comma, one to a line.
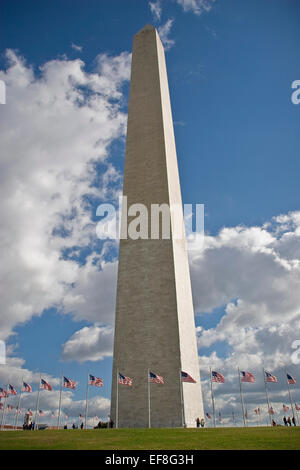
(37,403)
(4,409)
(212,397)
(233,418)
(18,408)
(267,396)
(297,415)
(59,405)
(288,385)
(117,401)
(86,400)
(181,396)
(242,399)
(149,402)
(2,415)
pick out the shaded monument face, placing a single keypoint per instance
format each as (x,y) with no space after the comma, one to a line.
(154,329)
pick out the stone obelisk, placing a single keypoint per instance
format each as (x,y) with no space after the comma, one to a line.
(154,325)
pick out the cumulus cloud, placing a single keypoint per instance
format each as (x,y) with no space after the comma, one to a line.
(89,344)
(92,297)
(252,271)
(58,124)
(196,6)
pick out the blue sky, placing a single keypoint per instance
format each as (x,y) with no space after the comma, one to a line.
(230,68)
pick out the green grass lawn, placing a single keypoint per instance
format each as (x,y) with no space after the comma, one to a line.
(154,439)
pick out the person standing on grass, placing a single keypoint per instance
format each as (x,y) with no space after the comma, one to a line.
(294,421)
(285,421)
(289,421)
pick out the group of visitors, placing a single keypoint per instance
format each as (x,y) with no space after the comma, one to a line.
(28,427)
(100,425)
(288,421)
(200,422)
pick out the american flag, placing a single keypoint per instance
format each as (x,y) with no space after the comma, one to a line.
(96,417)
(68,383)
(217,377)
(123,380)
(96,381)
(19,411)
(26,387)
(208,415)
(1,406)
(45,385)
(9,407)
(29,412)
(52,414)
(285,408)
(3,393)
(271,411)
(11,390)
(297,407)
(270,377)
(257,411)
(187,378)
(291,379)
(155,378)
(41,413)
(247,377)
(80,416)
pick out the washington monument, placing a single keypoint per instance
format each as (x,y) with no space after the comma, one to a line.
(154,326)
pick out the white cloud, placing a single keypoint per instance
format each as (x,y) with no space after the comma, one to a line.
(155,8)
(164,31)
(14,372)
(56,125)
(89,344)
(251,270)
(76,47)
(92,297)
(196,6)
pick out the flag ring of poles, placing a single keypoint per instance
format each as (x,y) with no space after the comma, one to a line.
(245,376)
(215,377)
